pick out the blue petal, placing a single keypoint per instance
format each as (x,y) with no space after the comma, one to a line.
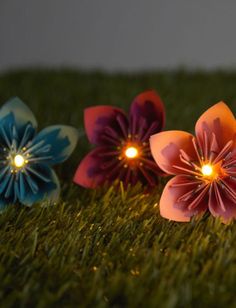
(56,143)
(22,114)
(10,135)
(7,189)
(38,184)
(6,124)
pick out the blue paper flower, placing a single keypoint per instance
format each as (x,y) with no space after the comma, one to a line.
(26,158)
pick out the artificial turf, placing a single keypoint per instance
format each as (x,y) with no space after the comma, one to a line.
(111,248)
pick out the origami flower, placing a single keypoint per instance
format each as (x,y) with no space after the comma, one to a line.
(205,167)
(122,150)
(26,159)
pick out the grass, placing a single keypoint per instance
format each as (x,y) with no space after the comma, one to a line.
(110,248)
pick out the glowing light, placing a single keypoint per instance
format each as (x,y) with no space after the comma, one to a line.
(19,161)
(207,170)
(131,152)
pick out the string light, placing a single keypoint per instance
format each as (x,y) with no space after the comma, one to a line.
(207,170)
(19,161)
(131,152)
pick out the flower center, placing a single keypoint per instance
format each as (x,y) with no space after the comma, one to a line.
(213,172)
(131,152)
(207,170)
(16,161)
(19,161)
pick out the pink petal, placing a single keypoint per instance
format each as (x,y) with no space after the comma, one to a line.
(166,148)
(222,202)
(147,106)
(218,120)
(88,173)
(171,205)
(97,119)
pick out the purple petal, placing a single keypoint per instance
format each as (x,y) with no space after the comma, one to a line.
(147,113)
(105,124)
(92,172)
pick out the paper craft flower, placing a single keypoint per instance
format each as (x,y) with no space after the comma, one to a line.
(205,167)
(26,158)
(122,150)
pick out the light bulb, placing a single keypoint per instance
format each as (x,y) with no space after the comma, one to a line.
(19,161)
(207,170)
(131,152)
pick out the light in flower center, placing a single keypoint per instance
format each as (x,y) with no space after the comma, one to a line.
(207,170)
(131,152)
(19,161)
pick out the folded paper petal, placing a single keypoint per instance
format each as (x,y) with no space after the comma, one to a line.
(166,148)
(147,110)
(218,120)
(9,132)
(7,123)
(46,188)
(222,201)
(89,173)
(55,144)
(98,119)
(22,114)
(36,183)
(173,207)
(7,189)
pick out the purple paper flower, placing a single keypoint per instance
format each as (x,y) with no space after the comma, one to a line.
(122,142)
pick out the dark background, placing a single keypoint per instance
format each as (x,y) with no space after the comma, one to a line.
(118,35)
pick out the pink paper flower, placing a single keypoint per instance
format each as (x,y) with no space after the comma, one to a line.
(204,167)
(122,142)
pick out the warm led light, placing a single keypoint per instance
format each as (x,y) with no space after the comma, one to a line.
(131,152)
(207,170)
(19,161)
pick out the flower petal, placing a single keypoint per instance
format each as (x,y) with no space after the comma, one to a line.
(6,130)
(222,202)
(173,207)
(36,189)
(22,114)
(9,132)
(54,144)
(89,173)
(7,192)
(166,149)
(218,120)
(147,109)
(98,119)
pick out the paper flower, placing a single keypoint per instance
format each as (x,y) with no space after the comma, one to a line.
(26,158)
(205,167)
(122,150)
